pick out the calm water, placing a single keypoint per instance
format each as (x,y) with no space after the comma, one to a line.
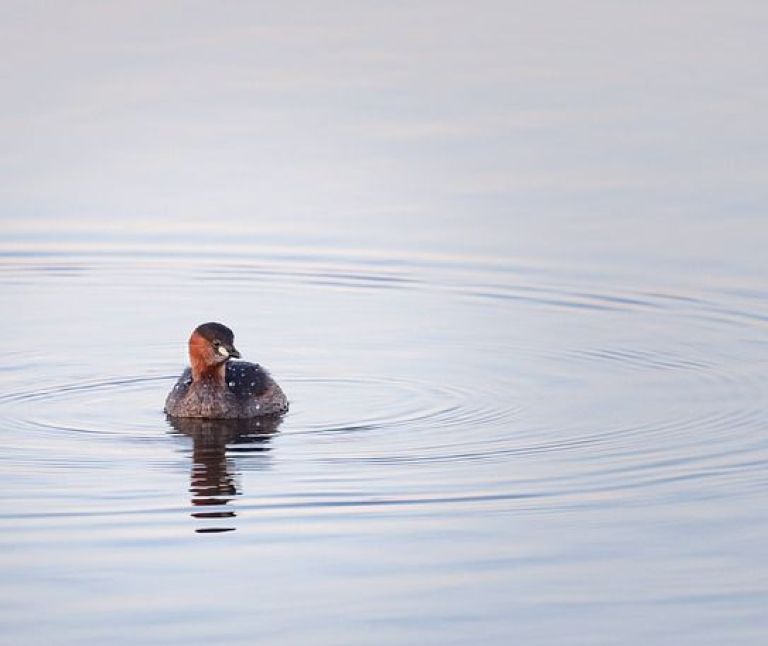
(508,265)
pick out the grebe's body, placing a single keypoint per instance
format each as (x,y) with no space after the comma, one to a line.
(216,388)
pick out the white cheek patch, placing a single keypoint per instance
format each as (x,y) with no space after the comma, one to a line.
(223,351)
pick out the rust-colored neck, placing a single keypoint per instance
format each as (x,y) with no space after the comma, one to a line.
(203,360)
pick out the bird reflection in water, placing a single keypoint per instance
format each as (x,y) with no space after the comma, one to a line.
(213,478)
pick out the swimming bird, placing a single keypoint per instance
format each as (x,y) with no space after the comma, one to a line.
(215,387)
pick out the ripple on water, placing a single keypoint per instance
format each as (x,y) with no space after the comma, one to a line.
(628,399)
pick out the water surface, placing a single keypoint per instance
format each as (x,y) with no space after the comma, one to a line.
(508,266)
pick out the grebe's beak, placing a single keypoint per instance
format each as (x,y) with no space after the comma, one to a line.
(233,353)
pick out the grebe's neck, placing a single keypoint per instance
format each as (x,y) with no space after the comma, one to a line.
(201,371)
(204,363)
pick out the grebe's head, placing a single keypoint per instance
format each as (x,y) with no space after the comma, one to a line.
(211,344)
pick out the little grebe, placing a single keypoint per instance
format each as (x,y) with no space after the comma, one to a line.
(217,388)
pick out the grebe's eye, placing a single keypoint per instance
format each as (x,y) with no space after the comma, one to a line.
(216,343)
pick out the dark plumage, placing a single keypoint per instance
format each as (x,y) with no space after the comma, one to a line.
(216,331)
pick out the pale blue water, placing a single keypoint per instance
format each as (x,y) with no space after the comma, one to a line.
(507,262)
